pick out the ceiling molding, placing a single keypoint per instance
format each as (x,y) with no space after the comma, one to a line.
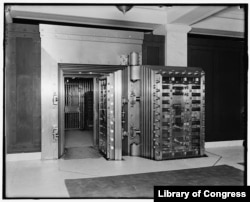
(164,29)
(217,32)
(137,18)
(231,13)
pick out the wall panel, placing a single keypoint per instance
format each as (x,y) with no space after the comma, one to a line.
(222,60)
(23,94)
(153,50)
(10,92)
(202,57)
(24,90)
(227,96)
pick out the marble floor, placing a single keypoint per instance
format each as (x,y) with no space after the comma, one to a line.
(45,178)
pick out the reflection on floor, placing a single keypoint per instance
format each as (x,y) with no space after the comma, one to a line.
(46,178)
(78,138)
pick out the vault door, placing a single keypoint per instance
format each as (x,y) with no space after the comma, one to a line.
(106,116)
(172,112)
(180,95)
(110,132)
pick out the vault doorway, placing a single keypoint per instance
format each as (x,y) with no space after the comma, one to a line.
(78,119)
(79,101)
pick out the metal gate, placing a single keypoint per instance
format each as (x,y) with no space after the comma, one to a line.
(75,94)
(106,116)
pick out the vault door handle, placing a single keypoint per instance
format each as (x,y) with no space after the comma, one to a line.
(55,134)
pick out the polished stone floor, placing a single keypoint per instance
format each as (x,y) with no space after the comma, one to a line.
(45,178)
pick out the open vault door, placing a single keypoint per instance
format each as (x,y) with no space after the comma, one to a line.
(173,124)
(110,104)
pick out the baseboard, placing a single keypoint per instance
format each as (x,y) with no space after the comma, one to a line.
(224,144)
(23,156)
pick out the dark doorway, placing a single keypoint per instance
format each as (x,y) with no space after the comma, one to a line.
(78,112)
(78,118)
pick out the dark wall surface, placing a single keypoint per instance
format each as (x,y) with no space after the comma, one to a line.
(223,61)
(153,50)
(22,88)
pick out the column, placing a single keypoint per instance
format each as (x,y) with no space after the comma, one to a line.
(175,43)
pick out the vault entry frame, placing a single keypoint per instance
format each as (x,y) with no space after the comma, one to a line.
(85,71)
(61,111)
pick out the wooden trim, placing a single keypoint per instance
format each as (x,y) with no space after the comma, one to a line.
(22,30)
(14,27)
(23,35)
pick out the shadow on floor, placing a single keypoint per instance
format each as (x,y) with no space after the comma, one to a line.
(81,153)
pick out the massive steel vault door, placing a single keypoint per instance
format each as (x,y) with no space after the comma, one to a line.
(110,132)
(172,112)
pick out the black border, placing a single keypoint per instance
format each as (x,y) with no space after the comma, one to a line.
(242,5)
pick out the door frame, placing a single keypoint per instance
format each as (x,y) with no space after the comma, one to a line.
(67,69)
(61,106)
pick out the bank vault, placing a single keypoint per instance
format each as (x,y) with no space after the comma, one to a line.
(155,112)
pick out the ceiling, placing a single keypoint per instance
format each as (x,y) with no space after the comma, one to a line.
(216,20)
